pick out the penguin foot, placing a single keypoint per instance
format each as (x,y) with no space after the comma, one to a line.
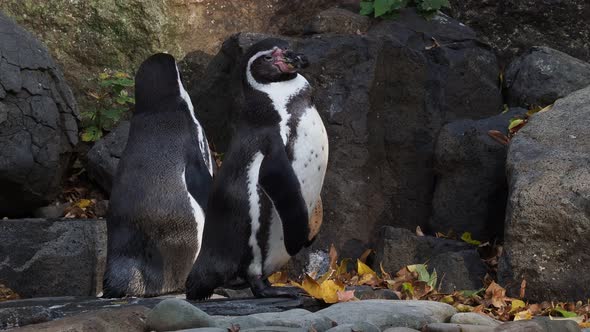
(262,288)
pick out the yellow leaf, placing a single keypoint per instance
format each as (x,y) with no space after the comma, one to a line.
(330,289)
(326,276)
(447,299)
(342,267)
(363,269)
(311,287)
(103,76)
(526,314)
(83,203)
(517,304)
(464,308)
(278,279)
(584,325)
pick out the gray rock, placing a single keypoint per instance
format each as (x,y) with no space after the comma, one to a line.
(338,20)
(400,329)
(448,327)
(357,327)
(382,116)
(38,127)
(204,329)
(471,190)
(389,313)
(104,156)
(368,293)
(549,183)
(244,322)
(462,270)
(544,75)
(295,318)
(276,329)
(130,319)
(51,211)
(474,319)
(53,258)
(539,325)
(176,314)
(458,261)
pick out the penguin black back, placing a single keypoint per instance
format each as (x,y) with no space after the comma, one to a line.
(159,194)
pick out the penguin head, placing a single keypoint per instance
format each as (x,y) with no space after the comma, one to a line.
(270,60)
(157,79)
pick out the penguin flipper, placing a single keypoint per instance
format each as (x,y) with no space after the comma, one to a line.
(278,180)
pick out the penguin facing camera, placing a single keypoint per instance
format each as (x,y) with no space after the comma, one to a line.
(262,201)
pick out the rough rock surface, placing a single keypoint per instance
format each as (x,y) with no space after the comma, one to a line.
(474,319)
(104,156)
(88,36)
(382,116)
(471,190)
(513,26)
(38,126)
(539,324)
(458,261)
(544,75)
(53,258)
(547,222)
(385,314)
(130,319)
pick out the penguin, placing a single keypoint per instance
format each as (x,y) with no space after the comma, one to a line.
(157,207)
(266,194)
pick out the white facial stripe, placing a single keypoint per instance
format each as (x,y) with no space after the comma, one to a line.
(255,267)
(203,144)
(279,92)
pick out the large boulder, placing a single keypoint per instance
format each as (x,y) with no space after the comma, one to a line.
(544,75)
(383,97)
(53,258)
(547,231)
(38,126)
(471,190)
(513,26)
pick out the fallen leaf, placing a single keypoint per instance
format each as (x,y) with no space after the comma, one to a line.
(363,268)
(516,305)
(333,257)
(499,137)
(346,296)
(278,279)
(565,313)
(466,237)
(330,289)
(419,231)
(523,315)
(522,289)
(496,294)
(365,254)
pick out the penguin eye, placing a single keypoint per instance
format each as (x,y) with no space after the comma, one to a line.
(268,57)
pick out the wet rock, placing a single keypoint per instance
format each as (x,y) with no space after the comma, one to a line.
(471,190)
(38,123)
(295,318)
(458,261)
(131,319)
(15,317)
(41,255)
(389,313)
(361,326)
(543,75)
(549,185)
(474,319)
(177,314)
(104,156)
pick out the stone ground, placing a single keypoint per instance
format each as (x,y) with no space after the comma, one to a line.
(172,313)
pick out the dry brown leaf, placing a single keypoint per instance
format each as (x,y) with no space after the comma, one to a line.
(346,296)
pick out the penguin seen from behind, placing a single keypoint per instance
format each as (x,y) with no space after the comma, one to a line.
(156,213)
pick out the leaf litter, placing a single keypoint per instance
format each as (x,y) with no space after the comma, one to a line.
(415,282)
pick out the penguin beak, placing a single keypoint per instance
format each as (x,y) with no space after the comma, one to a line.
(289,62)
